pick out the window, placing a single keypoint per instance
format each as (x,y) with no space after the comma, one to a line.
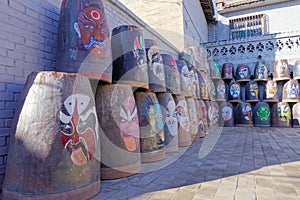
(246,27)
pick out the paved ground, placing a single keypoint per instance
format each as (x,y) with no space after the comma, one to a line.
(233,163)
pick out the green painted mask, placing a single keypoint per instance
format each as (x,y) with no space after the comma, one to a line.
(263,113)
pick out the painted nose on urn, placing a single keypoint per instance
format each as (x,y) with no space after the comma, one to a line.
(120,135)
(54,146)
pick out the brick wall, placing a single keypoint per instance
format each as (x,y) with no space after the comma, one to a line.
(28,38)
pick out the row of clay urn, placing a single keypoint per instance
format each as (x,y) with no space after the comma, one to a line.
(73,136)
(243,114)
(261,73)
(270,91)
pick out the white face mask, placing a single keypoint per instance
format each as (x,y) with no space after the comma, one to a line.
(182,115)
(226,113)
(171,118)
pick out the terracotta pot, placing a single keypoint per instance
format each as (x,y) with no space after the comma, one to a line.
(184,133)
(84,50)
(151,127)
(290,91)
(261,71)
(220,91)
(281,115)
(271,92)
(156,71)
(226,114)
(169,112)
(202,118)
(242,73)
(262,115)
(54,147)
(227,71)
(281,70)
(185,78)
(214,70)
(243,115)
(172,75)
(129,56)
(252,92)
(120,136)
(296,115)
(234,94)
(296,70)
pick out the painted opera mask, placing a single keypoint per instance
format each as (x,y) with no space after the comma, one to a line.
(156,63)
(296,113)
(139,51)
(263,113)
(156,120)
(227,70)
(292,89)
(281,67)
(243,71)
(253,89)
(235,90)
(221,89)
(92,28)
(271,89)
(183,116)
(247,112)
(261,71)
(284,112)
(226,113)
(79,128)
(129,124)
(171,118)
(185,75)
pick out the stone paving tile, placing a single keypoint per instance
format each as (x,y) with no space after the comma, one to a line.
(239,164)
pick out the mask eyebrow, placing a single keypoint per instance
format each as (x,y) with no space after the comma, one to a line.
(134,112)
(123,112)
(86,18)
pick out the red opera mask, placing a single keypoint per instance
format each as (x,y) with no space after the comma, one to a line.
(129,124)
(79,129)
(94,31)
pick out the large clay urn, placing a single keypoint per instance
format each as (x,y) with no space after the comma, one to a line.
(242,73)
(243,114)
(281,70)
(227,71)
(290,91)
(169,111)
(151,123)
(252,92)
(281,115)
(234,94)
(296,115)
(54,150)
(226,114)
(156,71)
(129,56)
(271,92)
(84,42)
(262,115)
(261,71)
(120,136)
(171,74)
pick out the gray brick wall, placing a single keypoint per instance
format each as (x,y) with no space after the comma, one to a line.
(28,38)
